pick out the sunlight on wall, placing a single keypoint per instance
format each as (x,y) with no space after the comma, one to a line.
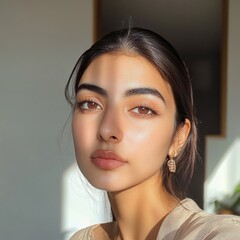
(225,176)
(82,205)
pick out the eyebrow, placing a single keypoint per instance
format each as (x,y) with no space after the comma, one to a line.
(140,91)
(130,92)
(92,88)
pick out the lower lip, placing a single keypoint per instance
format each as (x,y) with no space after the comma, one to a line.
(107,163)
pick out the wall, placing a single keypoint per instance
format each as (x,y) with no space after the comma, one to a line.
(39,44)
(223,154)
(204,71)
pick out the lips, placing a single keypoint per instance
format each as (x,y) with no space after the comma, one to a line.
(107,159)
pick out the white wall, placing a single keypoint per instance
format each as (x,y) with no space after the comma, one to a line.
(223,154)
(39,44)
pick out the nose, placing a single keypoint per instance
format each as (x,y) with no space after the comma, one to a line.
(110,129)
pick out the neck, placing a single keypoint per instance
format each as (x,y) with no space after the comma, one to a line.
(140,210)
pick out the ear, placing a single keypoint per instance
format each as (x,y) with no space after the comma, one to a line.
(180,138)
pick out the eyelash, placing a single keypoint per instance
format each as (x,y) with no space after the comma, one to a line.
(80,104)
(148,115)
(152,113)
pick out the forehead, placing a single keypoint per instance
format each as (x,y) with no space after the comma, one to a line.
(121,71)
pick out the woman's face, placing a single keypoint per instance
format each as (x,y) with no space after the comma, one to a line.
(123,124)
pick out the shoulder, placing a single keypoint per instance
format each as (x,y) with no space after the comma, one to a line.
(222,227)
(202,225)
(98,231)
(84,234)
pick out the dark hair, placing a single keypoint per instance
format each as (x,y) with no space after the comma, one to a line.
(165,58)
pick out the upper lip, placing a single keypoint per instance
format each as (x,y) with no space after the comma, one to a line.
(107,154)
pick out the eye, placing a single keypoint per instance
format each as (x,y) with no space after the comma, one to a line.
(143,110)
(88,106)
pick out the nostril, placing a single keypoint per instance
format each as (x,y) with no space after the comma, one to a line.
(106,138)
(114,138)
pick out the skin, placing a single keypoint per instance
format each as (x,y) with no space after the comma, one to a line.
(139,128)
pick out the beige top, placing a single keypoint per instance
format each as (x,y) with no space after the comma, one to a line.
(187,221)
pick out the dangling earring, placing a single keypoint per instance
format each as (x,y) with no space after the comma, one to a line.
(172,164)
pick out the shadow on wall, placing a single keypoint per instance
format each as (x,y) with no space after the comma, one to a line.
(40,42)
(223,154)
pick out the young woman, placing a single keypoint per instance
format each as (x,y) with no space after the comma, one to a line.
(135,137)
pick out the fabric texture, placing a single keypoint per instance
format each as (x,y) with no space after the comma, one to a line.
(186,222)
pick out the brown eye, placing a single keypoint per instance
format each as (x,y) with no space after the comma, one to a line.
(88,106)
(92,105)
(142,110)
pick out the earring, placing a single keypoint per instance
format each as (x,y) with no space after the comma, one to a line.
(172,164)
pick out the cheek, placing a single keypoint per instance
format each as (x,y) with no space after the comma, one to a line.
(84,134)
(152,141)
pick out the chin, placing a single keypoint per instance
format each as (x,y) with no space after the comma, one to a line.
(107,181)
(109,187)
